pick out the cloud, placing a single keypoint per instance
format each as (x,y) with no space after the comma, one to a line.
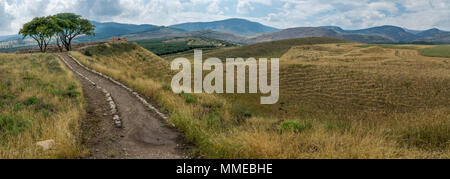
(100,9)
(5,19)
(246,6)
(349,14)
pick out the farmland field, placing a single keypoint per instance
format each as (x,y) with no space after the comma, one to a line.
(337,100)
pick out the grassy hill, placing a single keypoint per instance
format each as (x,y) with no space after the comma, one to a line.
(338,100)
(273,49)
(39,100)
(436,51)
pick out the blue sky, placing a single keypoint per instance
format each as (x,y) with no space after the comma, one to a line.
(349,14)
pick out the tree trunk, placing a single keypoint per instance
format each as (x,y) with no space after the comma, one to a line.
(59,45)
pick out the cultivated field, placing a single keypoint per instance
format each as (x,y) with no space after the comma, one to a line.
(39,100)
(339,100)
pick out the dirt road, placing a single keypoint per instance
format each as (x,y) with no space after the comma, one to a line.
(144,134)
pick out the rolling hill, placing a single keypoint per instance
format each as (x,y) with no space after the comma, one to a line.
(273,49)
(236,26)
(169,33)
(111,29)
(303,32)
(398,34)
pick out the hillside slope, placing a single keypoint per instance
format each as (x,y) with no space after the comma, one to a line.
(236,26)
(336,101)
(303,32)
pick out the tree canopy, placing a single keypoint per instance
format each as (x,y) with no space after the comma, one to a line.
(64,27)
(72,26)
(40,29)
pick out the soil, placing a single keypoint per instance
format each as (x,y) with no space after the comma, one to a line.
(144,134)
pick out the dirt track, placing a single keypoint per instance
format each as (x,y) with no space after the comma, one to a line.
(144,134)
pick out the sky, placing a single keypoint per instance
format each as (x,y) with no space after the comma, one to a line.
(348,14)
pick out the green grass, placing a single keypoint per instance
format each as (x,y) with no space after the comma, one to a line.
(39,100)
(116,49)
(388,46)
(274,49)
(178,45)
(237,126)
(437,51)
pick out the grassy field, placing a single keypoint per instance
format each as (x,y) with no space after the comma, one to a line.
(337,101)
(436,51)
(273,49)
(39,100)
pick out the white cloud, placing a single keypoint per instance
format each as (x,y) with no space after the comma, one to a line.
(246,6)
(350,14)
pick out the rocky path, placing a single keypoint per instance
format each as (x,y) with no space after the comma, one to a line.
(144,134)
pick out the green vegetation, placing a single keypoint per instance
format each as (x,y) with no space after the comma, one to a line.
(110,49)
(41,29)
(390,46)
(177,45)
(273,49)
(323,111)
(64,27)
(39,100)
(436,51)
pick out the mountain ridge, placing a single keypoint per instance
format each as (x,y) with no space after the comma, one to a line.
(234,25)
(244,31)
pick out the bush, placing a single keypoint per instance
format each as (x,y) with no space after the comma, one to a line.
(293,126)
(190,98)
(31,101)
(72,94)
(428,136)
(12,125)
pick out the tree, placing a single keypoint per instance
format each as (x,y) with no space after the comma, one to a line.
(40,29)
(72,26)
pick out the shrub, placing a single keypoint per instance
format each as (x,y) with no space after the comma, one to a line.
(190,98)
(72,94)
(12,125)
(293,126)
(31,101)
(428,136)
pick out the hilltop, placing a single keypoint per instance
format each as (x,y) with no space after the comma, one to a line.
(235,25)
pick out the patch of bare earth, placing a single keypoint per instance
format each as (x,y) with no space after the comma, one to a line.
(144,134)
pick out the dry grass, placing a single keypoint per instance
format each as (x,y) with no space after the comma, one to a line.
(39,100)
(345,101)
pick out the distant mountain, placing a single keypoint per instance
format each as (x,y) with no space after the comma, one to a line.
(154,33)
(430,32)
(397,34)
(291,33)
(365,38)
(303,32)
(413,31)
(434,35)
(335,28)
(10,37)
(392,32)
(104,31)
(169,33)
(236,26)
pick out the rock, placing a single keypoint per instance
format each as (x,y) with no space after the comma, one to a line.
(46,145)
